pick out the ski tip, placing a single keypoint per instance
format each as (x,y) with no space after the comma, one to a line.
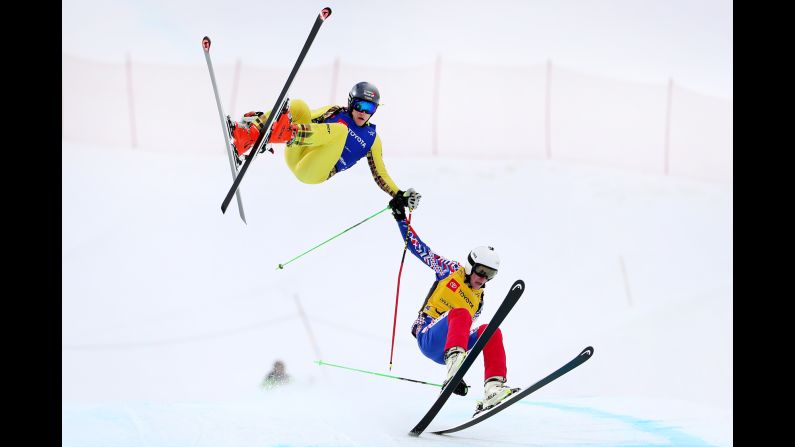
(518,284)
(206,43)
(325,13)
(588,352)
(280,267)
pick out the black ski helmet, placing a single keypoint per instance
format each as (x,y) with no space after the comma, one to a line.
(365,91)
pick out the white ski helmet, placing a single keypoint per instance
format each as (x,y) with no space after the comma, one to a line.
(483,260)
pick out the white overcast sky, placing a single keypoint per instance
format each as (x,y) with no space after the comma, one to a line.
(639,40)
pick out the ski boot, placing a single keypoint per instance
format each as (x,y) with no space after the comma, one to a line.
(495,391)
(453,359)
(244,134)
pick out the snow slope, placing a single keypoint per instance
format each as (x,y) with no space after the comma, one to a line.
(173,312)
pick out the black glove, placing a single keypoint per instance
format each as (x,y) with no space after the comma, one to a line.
(409,198)
(398,208)
(462,389)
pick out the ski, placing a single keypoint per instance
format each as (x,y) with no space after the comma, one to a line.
(507,304)
(224,124)
(485,414)
(277,108)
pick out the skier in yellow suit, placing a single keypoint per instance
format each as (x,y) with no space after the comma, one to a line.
(326,141)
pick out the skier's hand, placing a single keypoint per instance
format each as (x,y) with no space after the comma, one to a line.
(409,198)
(414,199)
(398,209)
(462,389)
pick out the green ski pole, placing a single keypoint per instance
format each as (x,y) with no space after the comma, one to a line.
(322,363)
(281,266)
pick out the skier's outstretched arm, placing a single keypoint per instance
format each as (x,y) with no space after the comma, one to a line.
(375,160)
(442,266)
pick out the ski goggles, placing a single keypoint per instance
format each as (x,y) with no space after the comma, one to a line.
(486,272)
(360,105)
